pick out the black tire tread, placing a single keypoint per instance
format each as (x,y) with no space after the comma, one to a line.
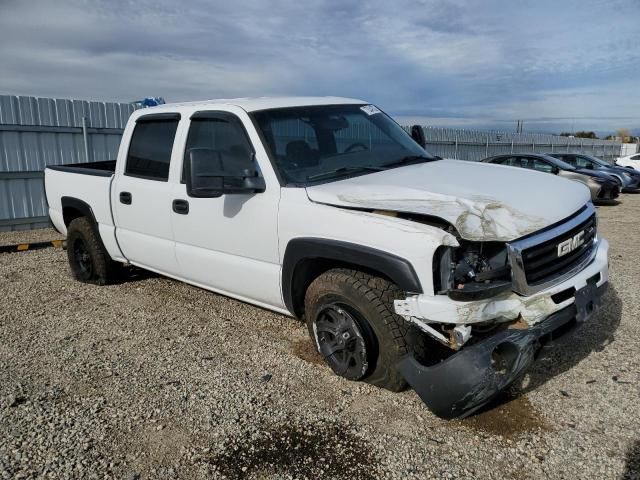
(104,268)
(380,293)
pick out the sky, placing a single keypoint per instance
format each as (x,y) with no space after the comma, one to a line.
(559,65)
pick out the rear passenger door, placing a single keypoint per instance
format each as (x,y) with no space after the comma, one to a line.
(141,196)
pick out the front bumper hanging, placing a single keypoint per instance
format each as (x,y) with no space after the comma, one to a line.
(470,378)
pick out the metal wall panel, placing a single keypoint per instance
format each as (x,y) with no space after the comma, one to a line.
(28,144)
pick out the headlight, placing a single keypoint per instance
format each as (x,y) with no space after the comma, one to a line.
(473,271)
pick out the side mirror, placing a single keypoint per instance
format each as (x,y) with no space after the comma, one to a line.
(417,133)
(211,173)
(589,166)
(555,170)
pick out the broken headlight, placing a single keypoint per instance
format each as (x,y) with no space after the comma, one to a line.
(472,271)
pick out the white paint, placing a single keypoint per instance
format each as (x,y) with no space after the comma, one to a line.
(483,201)
(144,230)
(252,104)
(298,217)
(235,244)
(630,161)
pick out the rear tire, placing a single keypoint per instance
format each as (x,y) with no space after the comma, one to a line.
(352,323)
(88,259)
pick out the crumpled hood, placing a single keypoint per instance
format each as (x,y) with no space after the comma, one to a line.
(483,201)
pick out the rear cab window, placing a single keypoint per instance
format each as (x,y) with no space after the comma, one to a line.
(150,148)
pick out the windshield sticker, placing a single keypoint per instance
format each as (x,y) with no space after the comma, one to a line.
(370,109)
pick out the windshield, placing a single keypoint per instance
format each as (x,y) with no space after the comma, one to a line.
(327,142)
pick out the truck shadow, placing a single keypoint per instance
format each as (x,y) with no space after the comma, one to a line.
(632,464)
(566,352)
(131,274)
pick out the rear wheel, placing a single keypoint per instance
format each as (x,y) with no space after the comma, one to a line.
(88,259)
(352,323)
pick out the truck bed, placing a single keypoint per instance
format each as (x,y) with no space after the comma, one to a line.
(85,186)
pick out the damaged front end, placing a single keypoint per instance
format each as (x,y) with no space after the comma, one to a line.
(471,272)
(495,304)
(472,377)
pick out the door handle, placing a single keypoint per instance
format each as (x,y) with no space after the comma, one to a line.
(125,197)
(181,206)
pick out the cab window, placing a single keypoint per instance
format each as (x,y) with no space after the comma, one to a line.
(221,137)
(150,148)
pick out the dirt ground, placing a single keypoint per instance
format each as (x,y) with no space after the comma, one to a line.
(152,378)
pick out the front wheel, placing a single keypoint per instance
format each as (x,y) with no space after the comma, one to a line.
(88,259)
(352,323)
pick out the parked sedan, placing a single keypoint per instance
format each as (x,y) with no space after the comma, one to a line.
(601,185)
(630,178)
(630,161)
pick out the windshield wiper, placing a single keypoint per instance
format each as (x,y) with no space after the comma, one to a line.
(409,159)
(342,170)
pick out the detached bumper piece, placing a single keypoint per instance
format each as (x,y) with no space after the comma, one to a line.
(471,378)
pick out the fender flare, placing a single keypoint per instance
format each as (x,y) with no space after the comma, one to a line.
(397,269)
(81,206)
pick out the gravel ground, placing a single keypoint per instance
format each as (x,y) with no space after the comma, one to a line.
(152,378)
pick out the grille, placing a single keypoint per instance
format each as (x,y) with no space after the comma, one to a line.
(535,263)
(541,262)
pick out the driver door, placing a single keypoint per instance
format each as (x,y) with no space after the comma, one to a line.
(230,243)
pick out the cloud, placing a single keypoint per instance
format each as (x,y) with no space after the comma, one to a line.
(463,61)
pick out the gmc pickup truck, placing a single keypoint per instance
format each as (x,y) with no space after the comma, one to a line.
(407,268)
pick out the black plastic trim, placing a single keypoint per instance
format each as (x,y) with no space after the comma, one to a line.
(86,168)
(398,269)
(146,177)
(154,117)
(472,377)
(265,147)
(81,206)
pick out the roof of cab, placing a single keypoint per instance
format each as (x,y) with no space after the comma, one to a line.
(263,103)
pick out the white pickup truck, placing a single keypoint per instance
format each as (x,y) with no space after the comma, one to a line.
(445,274)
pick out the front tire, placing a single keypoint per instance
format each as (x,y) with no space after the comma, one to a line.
(352,324)
(88,259)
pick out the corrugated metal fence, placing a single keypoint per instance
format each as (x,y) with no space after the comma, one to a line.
(476,145)
(35,132)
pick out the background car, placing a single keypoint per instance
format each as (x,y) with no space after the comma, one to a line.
(632,161)
(601,185)
(630,178)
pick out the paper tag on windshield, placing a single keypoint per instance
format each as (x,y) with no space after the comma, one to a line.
(370,109)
